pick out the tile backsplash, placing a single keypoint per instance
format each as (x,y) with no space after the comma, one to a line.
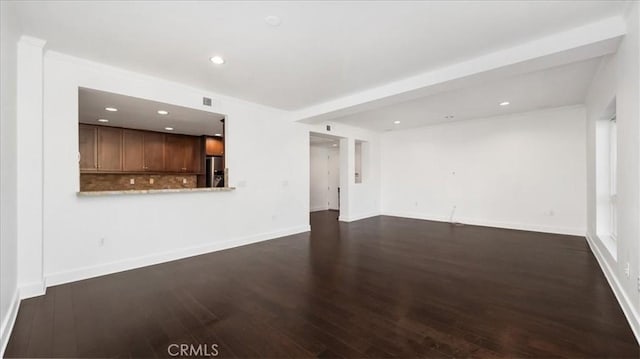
(120,182)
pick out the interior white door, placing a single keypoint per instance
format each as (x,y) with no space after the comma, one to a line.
(334,177)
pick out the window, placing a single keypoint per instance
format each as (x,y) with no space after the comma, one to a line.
(613,176)
(606,175)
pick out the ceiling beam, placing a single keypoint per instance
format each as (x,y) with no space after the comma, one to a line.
(580,43)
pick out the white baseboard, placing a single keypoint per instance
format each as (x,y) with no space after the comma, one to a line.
(625,303)
(8,322)
(357,217)
(32,290)
(133,263)
(319,208)
(489,223)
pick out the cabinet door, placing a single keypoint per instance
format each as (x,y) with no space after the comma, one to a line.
(174,153)
(193,152)
(88,148)
(154,151)
(109,149)
(215,146)
(133,150)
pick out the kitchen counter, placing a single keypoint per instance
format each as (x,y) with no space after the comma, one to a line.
(154,191)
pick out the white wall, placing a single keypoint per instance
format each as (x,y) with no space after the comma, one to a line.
(619,77)
(30,166)
(8,180)
(271,199)
(524,171)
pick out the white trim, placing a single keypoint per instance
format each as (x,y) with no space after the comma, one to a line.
(319,208)
(609,242)
(133,263)
(357,217)
(625,303)
(33,289)
(33,41)
(8,322)
(572,231)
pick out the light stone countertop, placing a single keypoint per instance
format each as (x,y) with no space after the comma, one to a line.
(153,191)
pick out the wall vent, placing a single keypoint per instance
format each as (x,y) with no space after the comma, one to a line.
(328,127)
(206,101)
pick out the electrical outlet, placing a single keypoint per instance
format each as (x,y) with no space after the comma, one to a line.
(150,180)
(101,242)
(132,181)
(627,270)
(184,181)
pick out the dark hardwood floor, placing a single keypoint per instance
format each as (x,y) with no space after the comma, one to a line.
(380,287)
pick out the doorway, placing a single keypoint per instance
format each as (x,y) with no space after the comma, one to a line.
(324,174)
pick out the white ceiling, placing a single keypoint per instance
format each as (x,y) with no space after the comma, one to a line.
(554,87)
(321,50)
(143,114)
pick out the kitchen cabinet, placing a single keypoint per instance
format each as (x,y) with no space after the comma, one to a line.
(133,151)
(214,146)
(183,154)
(174,153)
(154,151)
(88,148)
(193,151)
(109,149)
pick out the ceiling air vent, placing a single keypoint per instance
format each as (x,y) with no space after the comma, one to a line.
(206,101)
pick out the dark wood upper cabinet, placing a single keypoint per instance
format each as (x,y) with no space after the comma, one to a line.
(154,151)
(133,151)
(174,153)
(215,146)
(109,149)
(88,148)
(193,155)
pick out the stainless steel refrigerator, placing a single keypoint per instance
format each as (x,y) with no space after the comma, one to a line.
(214,171)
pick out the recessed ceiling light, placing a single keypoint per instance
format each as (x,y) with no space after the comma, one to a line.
(448,117)
(103,120)
(396,122)
(505,103)
(217,60)
(169,128)
(273,20)
(111,109)
(163,112)
(218,134)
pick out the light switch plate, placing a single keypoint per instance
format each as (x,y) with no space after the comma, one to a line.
(132,181)
(150,180)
